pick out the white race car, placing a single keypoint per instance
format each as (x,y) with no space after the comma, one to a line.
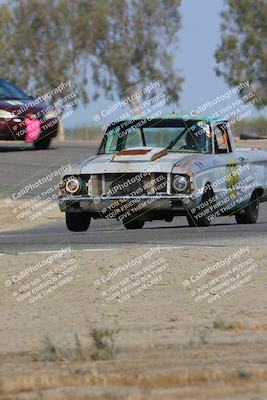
(158,168)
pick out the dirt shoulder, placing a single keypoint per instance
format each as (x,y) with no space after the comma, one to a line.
(27,214)
(197,330)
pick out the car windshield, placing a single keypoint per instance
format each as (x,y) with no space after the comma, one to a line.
(8,91)
(175,135)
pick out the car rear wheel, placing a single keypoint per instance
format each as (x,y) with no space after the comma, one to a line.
(135,224)
(42,144)
(77,221)
(250,213)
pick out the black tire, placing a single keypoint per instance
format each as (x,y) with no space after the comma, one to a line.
(190,219)
(77,221)
(42,144)
(204,221)
(135,224)
(250,213)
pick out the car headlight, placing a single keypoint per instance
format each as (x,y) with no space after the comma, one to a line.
(180,183)
(6,114)
(30,115)
(72,185)
(51,114)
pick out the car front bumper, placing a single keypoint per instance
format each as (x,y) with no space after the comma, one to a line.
(15,129)
(178,205)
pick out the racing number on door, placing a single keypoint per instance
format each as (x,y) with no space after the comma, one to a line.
(232,177)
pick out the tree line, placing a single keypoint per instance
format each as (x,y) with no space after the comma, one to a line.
(113,46)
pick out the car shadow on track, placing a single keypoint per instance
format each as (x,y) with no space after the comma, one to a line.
(201,228)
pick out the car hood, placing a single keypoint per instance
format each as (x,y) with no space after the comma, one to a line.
(140,159)
(24,106)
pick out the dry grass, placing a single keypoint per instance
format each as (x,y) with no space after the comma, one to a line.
(101,348)
(186,384)
(224,326)
(103,344)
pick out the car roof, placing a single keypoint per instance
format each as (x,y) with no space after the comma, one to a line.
(208,119)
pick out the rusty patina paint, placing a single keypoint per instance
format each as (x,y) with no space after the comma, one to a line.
(133,152)
(159,154)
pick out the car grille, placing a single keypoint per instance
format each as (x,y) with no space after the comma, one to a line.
(141,184)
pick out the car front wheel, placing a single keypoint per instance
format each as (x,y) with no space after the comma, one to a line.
(42,144)
(135,224)
(208,202)
(77,221)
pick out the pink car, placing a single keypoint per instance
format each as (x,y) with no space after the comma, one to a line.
(24,118)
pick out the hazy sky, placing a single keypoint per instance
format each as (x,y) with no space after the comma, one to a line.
(199,37)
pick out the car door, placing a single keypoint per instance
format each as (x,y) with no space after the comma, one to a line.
(236,167)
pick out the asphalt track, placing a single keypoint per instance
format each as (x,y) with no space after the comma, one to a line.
(19,168)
